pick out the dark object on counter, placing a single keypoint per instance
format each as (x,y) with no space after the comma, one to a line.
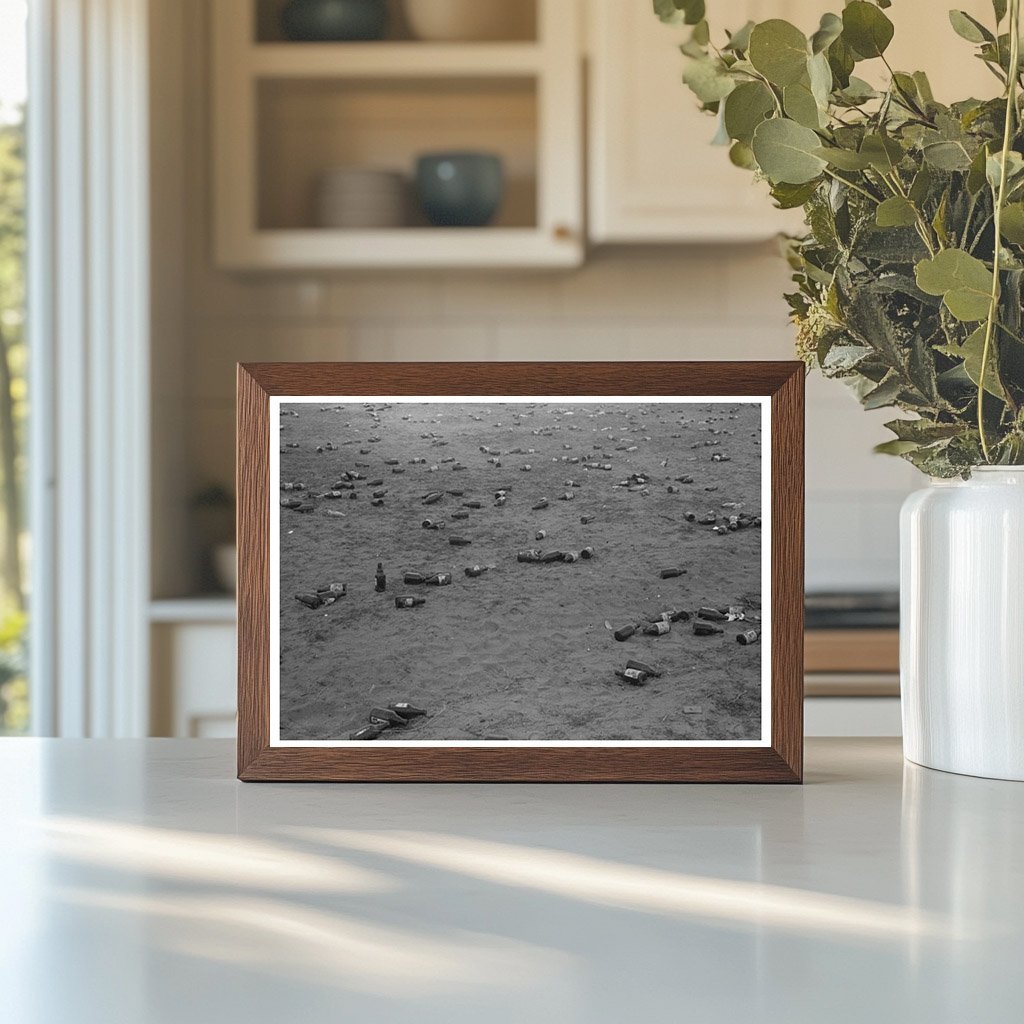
(333,21)
(864,610)
(460,189)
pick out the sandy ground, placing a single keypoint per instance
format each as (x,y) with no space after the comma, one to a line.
(521,652)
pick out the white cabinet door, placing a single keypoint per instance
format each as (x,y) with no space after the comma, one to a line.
(653,175)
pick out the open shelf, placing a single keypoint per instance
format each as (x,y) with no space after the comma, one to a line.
(520,17)
(286,114)
(306,128)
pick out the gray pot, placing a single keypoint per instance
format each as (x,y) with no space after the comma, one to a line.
(334,20)
(460,189)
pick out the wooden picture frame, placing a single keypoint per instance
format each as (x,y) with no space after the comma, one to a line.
(779,757)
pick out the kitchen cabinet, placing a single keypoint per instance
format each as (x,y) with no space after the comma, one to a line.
(286,113)
(653,175)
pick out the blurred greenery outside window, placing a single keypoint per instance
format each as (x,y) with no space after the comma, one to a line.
(14,548)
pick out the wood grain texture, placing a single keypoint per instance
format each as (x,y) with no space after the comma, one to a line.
(781,762)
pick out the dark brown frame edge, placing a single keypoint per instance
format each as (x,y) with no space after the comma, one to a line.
(781,762)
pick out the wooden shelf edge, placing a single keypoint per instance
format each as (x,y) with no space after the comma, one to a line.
(392,60)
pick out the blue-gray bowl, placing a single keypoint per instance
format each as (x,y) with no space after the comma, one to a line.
(461,190)
(333,21)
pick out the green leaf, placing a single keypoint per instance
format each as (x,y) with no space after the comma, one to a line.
(963,281)
(885,394)
(1012,226)
(844,159)
(1014,169)
(741,155)
(924,87)
(841,60)
(882,153)
(820,76)
(800,105)
(947,156)
(830,29)
(999,7)
(739,41)
(676,12)
(976,173)
(969,28)
(896,447)
(789,197)
(708,80)
(896,212)
(971,352)
(745,108)
(921,185)
(923,431)
(866,29)
(778,50)
(785,152)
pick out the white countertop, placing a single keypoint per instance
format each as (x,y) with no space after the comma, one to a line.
(143,885)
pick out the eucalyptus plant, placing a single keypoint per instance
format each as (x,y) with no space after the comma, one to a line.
(910,278)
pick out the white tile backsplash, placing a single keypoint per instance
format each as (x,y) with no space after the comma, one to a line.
(718,302)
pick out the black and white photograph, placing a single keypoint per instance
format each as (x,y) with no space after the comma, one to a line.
(520,571)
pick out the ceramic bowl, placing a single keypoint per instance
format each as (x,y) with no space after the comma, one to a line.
(334,20)
(460,189)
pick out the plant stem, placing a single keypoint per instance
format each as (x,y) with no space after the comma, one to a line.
(993,309)
(856,188)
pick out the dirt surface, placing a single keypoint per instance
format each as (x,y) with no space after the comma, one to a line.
(521,652)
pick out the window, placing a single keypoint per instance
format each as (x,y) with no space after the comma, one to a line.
(14,702)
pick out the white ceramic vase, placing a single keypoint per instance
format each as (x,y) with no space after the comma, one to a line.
(962,624)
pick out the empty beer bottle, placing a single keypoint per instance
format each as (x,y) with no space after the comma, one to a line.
(632,676)
(439,579)
(712,614)
(406,601)
(751,636)
(414,578)
(706,629)
(624,633)
(639,666)
(309,600)
(659,628)
(407,710)
(381,579)
(671,572)
(386,717)
(368,732)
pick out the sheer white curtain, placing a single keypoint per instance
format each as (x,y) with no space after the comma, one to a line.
(89,342)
